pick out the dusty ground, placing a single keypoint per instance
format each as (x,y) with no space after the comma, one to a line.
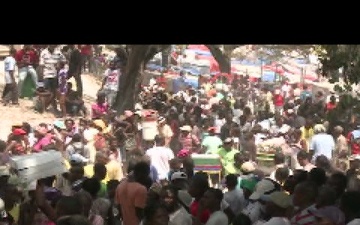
(24,113)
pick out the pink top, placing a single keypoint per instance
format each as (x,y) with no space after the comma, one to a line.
(38,146)
(98,110)
(188,142)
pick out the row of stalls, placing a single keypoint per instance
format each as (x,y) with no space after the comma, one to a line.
(197,60)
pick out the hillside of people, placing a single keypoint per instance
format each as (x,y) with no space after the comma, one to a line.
(270,142)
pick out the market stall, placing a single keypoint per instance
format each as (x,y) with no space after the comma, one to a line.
(210,164)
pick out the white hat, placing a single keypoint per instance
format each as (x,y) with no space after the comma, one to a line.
(178,175)
(279,198)
(228,140)
(284,129)
(290,111)
(247,167)
(186,128)
(263,187)
(77,158)
(319,128)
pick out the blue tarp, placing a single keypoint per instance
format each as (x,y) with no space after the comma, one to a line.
(249,62)
(192,82)
(268,76)
(153,67)
(179,84)
(302,61)
(200,52)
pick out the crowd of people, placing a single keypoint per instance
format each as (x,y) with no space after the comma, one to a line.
(43,72)
(116,176)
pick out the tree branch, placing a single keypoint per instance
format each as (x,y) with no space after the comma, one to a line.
(153,50)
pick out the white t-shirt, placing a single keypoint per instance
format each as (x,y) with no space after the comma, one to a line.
(159,157)
(286,89)
(49,61)
(180,217)
(237,113)
(218,217)
(9,65)
(218,124)
(354,222)
(112,79)
(90,133)
(236,200)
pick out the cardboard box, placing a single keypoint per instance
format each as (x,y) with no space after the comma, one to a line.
(38,165)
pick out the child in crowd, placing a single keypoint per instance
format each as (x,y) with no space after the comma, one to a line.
(43,98)
(62,88)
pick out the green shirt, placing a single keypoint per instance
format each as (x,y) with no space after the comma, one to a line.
(227,158)
(103,191)
(231,169)
(212,144)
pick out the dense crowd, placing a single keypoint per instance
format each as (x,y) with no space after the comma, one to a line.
(281,161)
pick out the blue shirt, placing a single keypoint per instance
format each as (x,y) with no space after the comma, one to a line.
(322,144)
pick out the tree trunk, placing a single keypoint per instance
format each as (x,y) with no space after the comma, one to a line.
(129,87)
(165,57)
(223,60)
(130,81)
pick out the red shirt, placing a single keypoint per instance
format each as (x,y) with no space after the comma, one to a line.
(194,212)
(161,81)
(86,50)
(29,57)
(278,100)
(330,106)
(355,148)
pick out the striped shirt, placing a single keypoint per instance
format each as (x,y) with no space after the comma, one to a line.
(304,217)
(50,61)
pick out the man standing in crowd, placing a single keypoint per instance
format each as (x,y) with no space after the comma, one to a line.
(26,60)
(10,90)
(49,62)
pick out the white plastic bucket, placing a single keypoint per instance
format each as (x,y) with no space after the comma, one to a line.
(149,129)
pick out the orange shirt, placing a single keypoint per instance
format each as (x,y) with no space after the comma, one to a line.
(130,195)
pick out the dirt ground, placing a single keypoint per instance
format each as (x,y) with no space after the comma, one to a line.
(24,113)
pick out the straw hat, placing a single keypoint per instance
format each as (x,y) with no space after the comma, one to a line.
(99,123)
(186,128)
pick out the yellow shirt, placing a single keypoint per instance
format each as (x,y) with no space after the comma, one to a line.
(67,164)
(113,171)
(89,170)
(107,129)
(15,212)
(307,134)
